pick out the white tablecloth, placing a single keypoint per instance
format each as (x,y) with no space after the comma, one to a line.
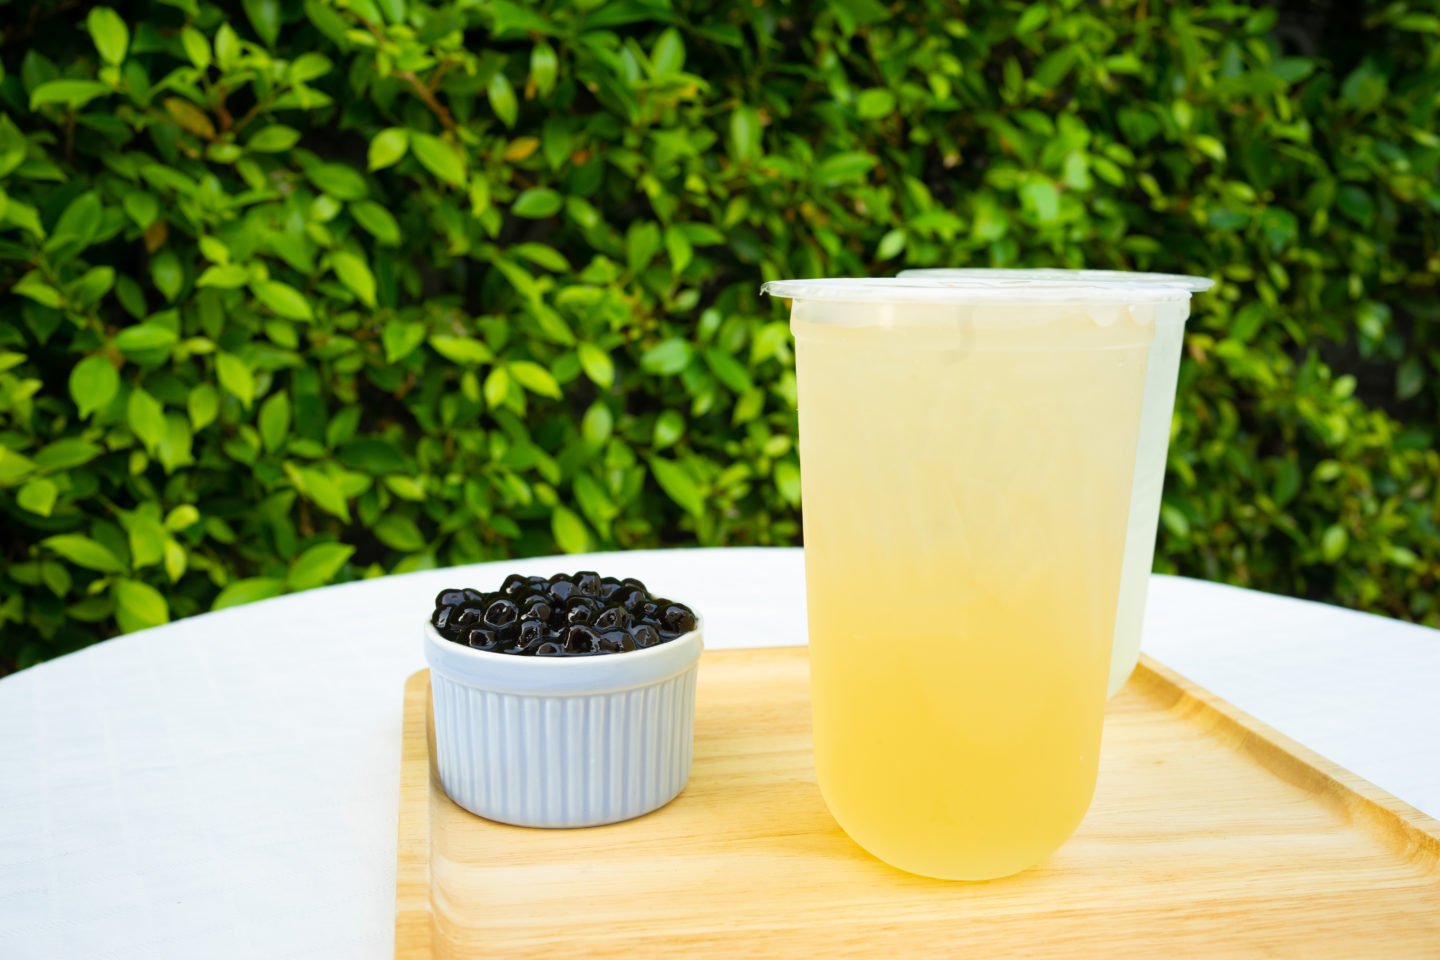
(226,786)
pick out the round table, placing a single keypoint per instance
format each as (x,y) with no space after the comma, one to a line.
(226,786)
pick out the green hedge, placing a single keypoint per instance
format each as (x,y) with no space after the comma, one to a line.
(297,292)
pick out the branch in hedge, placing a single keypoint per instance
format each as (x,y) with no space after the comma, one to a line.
(427,96)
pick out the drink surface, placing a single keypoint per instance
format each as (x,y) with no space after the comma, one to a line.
(966,481)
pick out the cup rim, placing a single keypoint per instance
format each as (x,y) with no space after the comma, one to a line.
(961,286)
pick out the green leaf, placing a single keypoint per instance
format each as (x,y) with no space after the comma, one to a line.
(355,274)
(141,207)
(175,560)
(537,203)
(544,68)
(439,157)
(502,98)
(227,47)
(1175,521)
(203,405)
(570,531)
(890,245)
(275,421)
(66,453)
(668,56)
(597,365)
(13,147)
(325,494)
(235,378)
(139,606)
(1043,198)
(669,428)
(197,48)
(93,384)
(1356,204)
(190,118)
(145,336)
(79,223)
(147,418)
(84,552)
(667,358)
(875,103)
(307,67)
(182,518)
(228,276)
(497,387)
(1051,71)
(175,445)
(248,591)
(681,253)
(318,565)
(542,256)
(283,299)
(387,147)
(275,138)
(38,496)
(71,93)
(377,221)
(91,286)
(517,18)
(399,533)
(787,481)
(265,18)
(859,13)
(842,167)
(13,466)
(374,455)
(463,350)
(597,424)
(338,180)
(147,538)
(678,485)
(167,275)
(1334,543)
(401,339)
(745,134)
(1032,19)
(109,33)
(535,378)
(406,488)
(34,286)
(728,371)
(1366,87)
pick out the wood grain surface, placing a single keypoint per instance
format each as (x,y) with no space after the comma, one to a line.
(1210,836)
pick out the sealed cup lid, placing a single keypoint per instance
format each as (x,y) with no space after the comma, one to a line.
(969,286)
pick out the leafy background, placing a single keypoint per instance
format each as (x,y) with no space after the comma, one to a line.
(298,292)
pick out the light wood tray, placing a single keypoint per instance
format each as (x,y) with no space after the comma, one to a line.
(1210,836)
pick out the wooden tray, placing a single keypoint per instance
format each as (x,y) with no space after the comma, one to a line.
(1210,836)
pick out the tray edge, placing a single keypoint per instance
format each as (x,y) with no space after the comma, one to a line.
(414,933)
(1287,757)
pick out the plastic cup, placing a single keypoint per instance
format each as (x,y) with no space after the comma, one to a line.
(1162,372)
(968,451)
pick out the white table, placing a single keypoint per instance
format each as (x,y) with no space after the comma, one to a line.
(226,786)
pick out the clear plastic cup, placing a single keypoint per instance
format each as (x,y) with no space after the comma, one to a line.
(968,450)
(1162,371)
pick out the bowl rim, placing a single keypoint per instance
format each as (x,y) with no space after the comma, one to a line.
(506,672)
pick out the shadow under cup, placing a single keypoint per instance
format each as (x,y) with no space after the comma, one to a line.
(968,449)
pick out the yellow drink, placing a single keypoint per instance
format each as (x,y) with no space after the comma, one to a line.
(966,477)
(1170,295)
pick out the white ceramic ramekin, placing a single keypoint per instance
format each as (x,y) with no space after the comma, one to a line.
(563,741)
